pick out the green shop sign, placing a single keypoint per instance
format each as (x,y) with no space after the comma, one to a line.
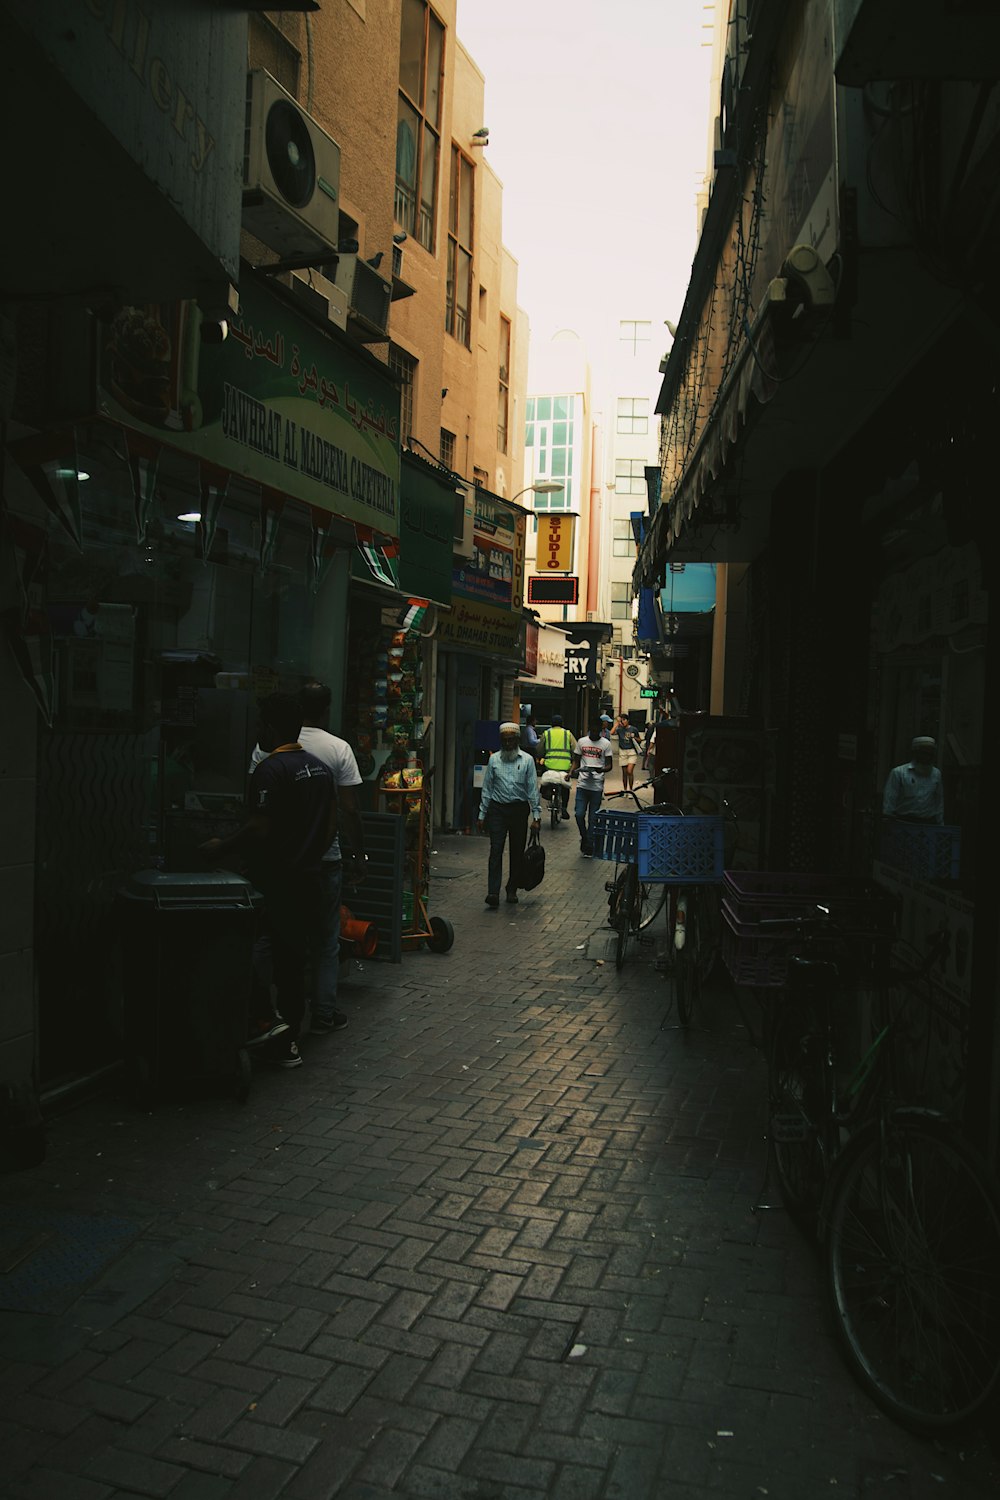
(277,402)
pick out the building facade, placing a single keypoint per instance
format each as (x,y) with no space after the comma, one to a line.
(827,414)
(251,436)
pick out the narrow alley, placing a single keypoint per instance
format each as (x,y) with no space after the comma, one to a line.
(494,1241)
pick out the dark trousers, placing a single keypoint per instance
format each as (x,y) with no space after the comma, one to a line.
(293,911)
(506,820)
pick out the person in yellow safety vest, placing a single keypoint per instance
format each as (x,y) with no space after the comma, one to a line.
(556,750)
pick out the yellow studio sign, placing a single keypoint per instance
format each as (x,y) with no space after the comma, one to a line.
(555,543)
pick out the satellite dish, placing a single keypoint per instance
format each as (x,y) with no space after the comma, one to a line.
(290,153)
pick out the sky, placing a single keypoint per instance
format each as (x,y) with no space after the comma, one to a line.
(598,116)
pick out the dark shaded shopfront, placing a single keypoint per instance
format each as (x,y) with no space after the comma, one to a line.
(187,552)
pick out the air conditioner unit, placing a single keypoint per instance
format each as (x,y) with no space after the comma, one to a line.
(291,173)
(463,544)
(323,297)
(368,296)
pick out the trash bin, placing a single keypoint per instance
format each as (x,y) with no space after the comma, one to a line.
(186,979)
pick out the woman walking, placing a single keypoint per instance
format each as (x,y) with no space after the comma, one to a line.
(629,746)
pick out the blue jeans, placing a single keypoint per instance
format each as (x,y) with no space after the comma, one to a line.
(587,803)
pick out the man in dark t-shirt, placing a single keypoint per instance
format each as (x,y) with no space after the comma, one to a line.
(291,822)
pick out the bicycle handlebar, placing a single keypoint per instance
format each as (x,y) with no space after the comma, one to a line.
(657,807)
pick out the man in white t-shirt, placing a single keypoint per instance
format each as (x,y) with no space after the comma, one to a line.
(591,761)
(339,757)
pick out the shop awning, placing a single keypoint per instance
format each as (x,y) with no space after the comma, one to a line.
(747,380)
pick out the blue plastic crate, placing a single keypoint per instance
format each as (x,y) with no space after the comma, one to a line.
(927,851)
(615,835)
(680,851)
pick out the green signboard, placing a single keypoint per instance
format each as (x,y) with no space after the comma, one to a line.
(649,692)
(426,533)
(278,402)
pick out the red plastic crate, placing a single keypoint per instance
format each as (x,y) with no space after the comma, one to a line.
(863,922)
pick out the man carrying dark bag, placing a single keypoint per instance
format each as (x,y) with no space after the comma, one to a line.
(509,796)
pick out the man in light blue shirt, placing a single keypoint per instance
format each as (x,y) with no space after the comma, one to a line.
(913,791)
(509,794)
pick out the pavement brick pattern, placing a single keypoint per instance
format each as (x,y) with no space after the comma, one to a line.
(492,1242)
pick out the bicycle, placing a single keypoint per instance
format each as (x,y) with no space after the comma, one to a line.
(672,851)
(908,1216)
(633,904)
(693,919)
(551,786)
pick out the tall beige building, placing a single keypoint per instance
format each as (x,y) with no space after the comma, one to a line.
(395,88)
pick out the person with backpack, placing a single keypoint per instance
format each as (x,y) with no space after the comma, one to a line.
(555,749)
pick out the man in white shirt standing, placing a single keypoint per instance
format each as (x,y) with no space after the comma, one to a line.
(913,791)
(325,946)
(591,761)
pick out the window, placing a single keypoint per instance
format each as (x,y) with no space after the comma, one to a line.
(635,334)
(480,479)
(630,478)
(549,430)
(458,295)
(633,414)
(623,541)
(421,74)
(404,366)
(621,601)
(503,395)
(447,448)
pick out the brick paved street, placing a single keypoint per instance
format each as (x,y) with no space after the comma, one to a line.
(492,1242)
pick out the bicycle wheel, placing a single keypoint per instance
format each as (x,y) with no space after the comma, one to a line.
(653,897)
(913,1268)
(796,1105)
(622,897)
(709,931)
(616,892)
(686,961)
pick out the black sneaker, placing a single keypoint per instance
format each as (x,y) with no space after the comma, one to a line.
(565,815)
(267,1033)
(492,900)
(284,1055)
(323,1025)
(511,898)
